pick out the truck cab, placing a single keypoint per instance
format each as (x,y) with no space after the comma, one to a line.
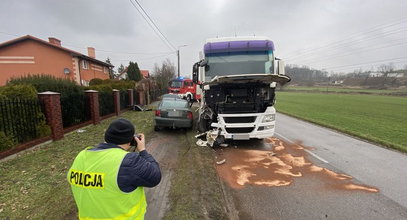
(238,76)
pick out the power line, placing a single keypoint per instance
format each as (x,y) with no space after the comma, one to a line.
(311,60)
(99,50)
(335,47)
(152,21)
(153,26)
(370,62)
(9,34)
(382,26)
(147,58)
(364,66)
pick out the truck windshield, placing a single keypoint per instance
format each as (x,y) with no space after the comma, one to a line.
(222,64)
(176,84)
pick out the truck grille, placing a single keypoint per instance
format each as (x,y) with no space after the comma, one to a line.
(239,130)
(250,119)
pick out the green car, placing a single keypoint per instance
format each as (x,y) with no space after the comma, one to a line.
(173,113)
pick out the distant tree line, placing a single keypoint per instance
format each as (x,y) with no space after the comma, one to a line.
(385,76)
(305,75)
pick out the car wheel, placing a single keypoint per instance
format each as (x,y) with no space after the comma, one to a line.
(189,98)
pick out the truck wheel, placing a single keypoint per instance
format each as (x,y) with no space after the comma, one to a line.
(203,125)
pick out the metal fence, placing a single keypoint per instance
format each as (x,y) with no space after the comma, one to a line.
(106,103)
(19,119)
(124,99)
(74,109)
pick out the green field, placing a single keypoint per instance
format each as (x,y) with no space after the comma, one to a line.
(381,119)
(346,90)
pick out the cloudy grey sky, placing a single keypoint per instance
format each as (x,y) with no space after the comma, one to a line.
(336,35)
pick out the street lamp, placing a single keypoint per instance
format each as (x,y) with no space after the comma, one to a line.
(178,56)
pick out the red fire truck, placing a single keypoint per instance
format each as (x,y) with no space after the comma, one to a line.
(185,88)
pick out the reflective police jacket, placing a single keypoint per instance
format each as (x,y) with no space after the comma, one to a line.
(107,182)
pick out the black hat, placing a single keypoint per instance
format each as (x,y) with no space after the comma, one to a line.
(120,131)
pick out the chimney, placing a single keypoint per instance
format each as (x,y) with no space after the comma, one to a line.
(54,41)
(91,52)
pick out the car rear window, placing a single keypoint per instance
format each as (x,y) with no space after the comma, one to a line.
(174,104)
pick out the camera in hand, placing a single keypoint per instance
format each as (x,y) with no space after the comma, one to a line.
(133,141)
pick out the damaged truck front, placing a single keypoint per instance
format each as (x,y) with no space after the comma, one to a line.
(238,76)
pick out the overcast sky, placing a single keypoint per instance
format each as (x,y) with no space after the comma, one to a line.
(335,35)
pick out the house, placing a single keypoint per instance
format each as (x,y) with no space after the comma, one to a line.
(145,74)
(123,75)
(31,55)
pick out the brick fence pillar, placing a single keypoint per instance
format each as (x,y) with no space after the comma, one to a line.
(116,98)
(131,99)
(141,98)
(93,106)
(52,111)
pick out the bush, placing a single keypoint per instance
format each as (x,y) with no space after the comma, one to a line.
(106,105)
(95,81)
(72,97)
(109,85)
(20,108)
(43,83)
(6,142)
(18,92)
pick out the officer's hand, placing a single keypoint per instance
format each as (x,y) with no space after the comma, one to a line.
(140,142)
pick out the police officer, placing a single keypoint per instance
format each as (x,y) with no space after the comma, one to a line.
(108,182)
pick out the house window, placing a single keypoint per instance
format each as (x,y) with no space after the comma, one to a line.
(105,69)
(85,64)
(84,82)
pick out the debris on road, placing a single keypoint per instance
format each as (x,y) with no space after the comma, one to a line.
(271,154)
(211,137)
(138,108)
(201,143)
(224,145)
(80,130)
(200,135)
(221,162)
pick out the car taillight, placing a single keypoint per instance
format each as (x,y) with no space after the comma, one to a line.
(189,115)
(157,113)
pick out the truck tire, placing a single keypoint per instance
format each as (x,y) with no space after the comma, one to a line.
(203,125)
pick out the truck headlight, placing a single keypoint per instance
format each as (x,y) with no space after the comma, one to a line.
(269,118)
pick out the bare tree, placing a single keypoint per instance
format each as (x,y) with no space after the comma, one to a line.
(385,69)
(164,74)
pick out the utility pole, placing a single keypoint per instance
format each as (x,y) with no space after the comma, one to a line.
(179,58)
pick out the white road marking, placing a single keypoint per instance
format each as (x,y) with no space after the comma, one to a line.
(313,154)
(316,156)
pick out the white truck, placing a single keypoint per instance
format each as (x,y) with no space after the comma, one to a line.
(238,76)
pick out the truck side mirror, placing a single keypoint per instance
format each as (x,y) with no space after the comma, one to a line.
(281,67)
(203,63)
(195,69)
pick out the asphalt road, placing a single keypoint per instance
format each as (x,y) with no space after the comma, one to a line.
(310,172)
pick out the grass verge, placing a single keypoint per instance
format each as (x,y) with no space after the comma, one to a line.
(196,191)
(381,119)
(34,185)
